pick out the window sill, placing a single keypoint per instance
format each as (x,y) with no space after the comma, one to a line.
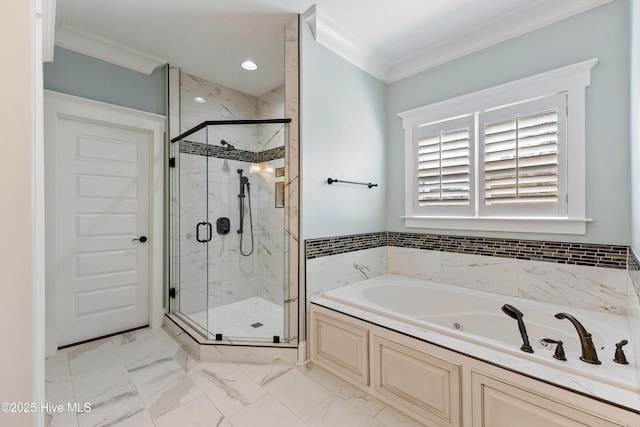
(520,225)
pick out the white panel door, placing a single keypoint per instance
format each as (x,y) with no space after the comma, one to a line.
(102,206)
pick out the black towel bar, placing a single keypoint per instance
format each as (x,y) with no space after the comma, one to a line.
(368,184)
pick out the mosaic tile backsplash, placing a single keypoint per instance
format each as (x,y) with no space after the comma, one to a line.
(596,255)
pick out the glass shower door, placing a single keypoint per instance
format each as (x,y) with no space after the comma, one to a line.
(246,259)
(194,230)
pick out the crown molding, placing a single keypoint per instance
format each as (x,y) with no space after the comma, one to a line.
(506,26)
(341,41)
(89,44)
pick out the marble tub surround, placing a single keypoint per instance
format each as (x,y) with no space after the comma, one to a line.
(593,288)
(578,275)
(149,381)
(334,271)
(490,274)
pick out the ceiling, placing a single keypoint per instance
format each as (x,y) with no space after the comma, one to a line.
(390,39)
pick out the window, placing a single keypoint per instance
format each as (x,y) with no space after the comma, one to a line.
(499,159)
(443,167)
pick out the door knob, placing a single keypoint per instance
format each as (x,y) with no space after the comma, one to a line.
(141,239)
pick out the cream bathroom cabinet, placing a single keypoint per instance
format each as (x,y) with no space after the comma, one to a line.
(440,387)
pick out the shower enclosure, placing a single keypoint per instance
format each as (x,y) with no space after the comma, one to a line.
(230,233)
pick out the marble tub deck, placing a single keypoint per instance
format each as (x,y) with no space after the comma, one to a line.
(143,378)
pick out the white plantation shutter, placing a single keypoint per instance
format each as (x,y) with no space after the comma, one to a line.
(444,167)
(523,159)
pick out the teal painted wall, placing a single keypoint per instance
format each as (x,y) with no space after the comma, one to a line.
(343,136)
(603,32)
(81,75)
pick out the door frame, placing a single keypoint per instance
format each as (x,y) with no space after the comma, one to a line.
(58,105)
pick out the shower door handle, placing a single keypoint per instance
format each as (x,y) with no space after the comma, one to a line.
(209,232)
(198,232)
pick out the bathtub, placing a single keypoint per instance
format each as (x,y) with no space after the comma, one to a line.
(476,317)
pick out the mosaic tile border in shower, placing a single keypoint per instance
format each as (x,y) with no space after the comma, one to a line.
(596,255)
(200,149)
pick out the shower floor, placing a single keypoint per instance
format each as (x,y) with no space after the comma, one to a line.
(254,318)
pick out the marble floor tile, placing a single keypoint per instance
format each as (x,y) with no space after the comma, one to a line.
(169,344)
(392,418)
(122,410)
(87,357)
(286,388)
(264,374)
(63,419)
(197,413)
(164,386)
(139,349)
(56,372)
(59,356)
(230,389)
(267,412)
(102,387)
(352,394)
(338,412)
(144,379)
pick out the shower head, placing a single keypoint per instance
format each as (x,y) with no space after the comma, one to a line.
(229,146)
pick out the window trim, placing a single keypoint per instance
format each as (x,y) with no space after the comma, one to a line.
(573,79)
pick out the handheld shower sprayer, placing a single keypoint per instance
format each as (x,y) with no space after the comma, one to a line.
(514,313)
(244,183)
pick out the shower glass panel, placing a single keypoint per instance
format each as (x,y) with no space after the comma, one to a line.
(191,298)
(233,246)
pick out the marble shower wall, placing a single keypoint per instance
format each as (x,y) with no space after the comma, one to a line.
(273,274)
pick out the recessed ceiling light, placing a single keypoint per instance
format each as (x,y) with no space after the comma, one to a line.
(249,65)
(199,100)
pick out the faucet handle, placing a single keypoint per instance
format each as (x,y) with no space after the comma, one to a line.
(559,353)
(619,356)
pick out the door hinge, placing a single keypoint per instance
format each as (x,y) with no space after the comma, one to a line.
(172,162)
(172,292)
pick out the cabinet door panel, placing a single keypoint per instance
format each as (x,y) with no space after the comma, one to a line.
(498,404)
(340,346)
(425,384)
